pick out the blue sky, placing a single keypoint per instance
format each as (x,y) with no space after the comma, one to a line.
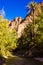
(15,8)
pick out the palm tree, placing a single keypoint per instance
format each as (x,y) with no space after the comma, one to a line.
(31,7)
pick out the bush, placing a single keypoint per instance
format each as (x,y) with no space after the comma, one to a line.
(39,33)
(8,38)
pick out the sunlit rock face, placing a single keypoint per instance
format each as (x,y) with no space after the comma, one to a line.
(42,4)
(15,23)
(20,24)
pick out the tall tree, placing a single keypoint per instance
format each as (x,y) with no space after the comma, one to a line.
(32,7)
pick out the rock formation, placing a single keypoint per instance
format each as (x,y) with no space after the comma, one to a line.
(15,23)
(20,24)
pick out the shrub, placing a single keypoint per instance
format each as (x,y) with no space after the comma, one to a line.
(8,38)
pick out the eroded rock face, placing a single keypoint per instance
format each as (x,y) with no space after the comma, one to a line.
(20,24)
(15,23)
(42,4)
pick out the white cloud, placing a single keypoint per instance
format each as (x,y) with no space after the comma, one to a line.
(2,12)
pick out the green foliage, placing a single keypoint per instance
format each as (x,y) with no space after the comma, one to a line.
(8,38)
(39,33)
